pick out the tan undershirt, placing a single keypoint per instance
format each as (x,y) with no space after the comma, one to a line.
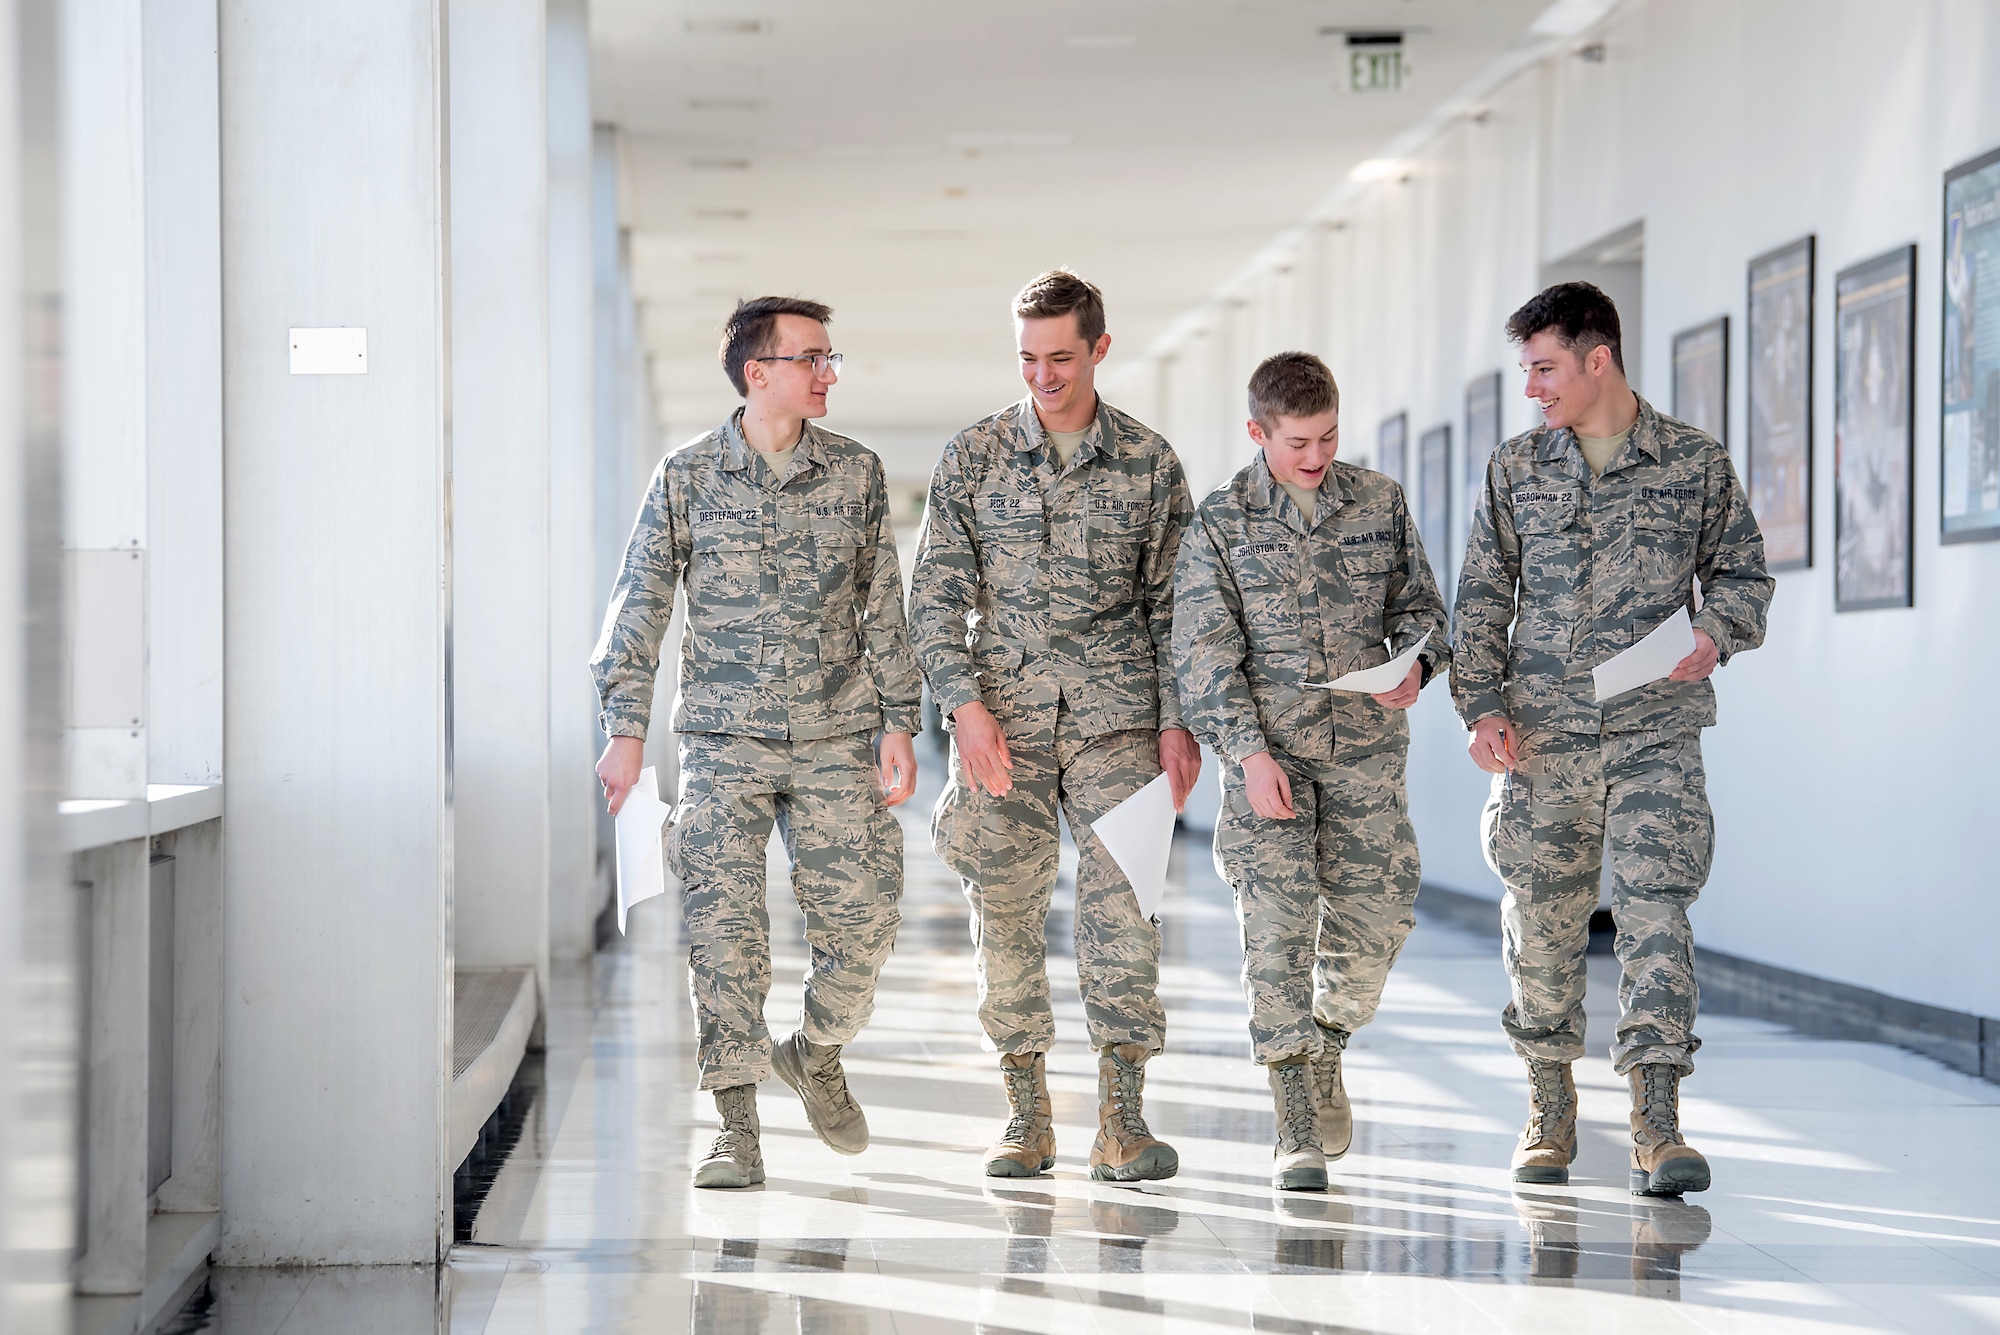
(1305,500)
(1597,450)
(778,461)
(1066,443)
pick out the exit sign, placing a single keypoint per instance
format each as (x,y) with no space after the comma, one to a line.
(1377,69)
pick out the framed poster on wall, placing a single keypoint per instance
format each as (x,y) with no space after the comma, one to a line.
(1391,444)
(1778,457)
(1970,413)
(1434,495)
(1482,431)
(1874,332)
(1701,377)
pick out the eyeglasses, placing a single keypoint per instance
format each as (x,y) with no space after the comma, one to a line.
(823,363)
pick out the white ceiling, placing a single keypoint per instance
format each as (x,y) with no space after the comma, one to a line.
(912,164)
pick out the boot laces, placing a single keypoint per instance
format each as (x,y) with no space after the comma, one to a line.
(1326,1077)
(1024,1095)
(1297,1123)
(1657,1107)
(738,1132)
(823,1069)
(1551,1101)
(1127,1084)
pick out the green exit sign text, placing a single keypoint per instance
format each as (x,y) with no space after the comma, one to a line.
(1375,69)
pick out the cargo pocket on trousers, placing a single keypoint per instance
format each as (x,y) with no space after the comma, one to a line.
(1506,827)
(949,835)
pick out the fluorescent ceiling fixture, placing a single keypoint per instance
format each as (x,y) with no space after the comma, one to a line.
(724,103)
(1567,18)
(720,27)
(720,164)
(1102,42)
(878,150)
(1379,169)
(1009,139)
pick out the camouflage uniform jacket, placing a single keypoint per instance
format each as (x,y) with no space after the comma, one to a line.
(795,600)
(1037,584)
(1267,602)
(1583,568)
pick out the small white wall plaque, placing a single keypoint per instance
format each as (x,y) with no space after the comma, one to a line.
(341,351)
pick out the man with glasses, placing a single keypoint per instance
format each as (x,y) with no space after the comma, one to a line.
(1042,610)
(793,662)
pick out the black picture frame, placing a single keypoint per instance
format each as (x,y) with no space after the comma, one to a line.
(1874,432)
(1434,495)
(1482,437)
(1973,412)
(1392,445)
(1779,334)
(1701,378)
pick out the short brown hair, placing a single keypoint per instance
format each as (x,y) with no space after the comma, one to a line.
(1060,292)
(752,331)
(1579,313)
(1291,384)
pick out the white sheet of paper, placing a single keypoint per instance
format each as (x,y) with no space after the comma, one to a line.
(1375,680)
(642,858)
(1138,833)
(1649,660)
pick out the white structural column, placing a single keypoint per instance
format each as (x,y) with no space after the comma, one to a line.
(575,604)
(104,521)
(500,482)
(336,1022)
(183,395)
(38,945)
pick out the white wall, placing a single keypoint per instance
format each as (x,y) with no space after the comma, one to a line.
(1851,809)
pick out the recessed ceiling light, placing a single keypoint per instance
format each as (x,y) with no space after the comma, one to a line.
(1100,42)
(717,257)
(724,103)
(1009,139)
(919,234)
(722,215)
(723,27)
(720,164)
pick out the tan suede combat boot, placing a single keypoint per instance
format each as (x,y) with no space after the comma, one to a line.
(1296,1163)
(814,1072)
(1663,1164)
(1125,1150)
(1335,1114)
(736,1159)
(1548,1144)
(1028,1145)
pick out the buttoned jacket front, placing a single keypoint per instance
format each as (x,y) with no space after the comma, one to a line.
(795,618)
(1038,583)
(1579,568)
(1268,601)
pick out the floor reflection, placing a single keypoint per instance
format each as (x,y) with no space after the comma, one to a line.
(1854,1182)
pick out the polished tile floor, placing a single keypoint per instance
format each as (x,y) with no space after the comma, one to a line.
(1856,1190)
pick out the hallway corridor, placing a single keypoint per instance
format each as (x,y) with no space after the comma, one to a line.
(1854,1185)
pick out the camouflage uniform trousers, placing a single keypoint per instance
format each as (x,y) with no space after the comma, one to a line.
(1643,798)
(846,852)
(1005,852)
(1325,899)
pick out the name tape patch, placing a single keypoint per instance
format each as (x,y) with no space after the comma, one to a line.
(840,510)
(1670,493)
(1542,497)
(729,516)
(1366,539)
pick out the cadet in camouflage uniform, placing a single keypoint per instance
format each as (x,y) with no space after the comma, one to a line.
(1592,530)
(794,659)
(1041,608)
(1295,571)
